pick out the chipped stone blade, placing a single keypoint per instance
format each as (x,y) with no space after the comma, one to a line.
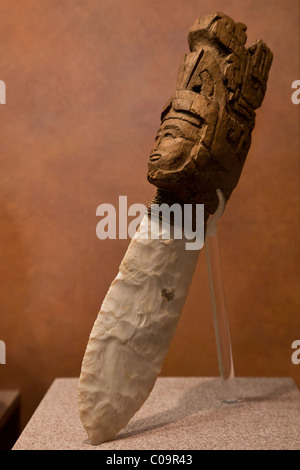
(132,333)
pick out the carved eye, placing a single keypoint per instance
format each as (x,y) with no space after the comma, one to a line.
(168,134)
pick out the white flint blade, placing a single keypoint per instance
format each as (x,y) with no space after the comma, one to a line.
(132,333)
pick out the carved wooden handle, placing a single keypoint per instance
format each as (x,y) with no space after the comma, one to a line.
(206,126)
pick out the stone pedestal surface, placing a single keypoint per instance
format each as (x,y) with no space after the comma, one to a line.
(180,414)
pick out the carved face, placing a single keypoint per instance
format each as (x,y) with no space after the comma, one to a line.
(173,147)
(178,154)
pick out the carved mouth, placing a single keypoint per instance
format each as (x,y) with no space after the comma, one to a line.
(154,157)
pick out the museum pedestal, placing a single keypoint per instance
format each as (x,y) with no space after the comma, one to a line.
(180,414)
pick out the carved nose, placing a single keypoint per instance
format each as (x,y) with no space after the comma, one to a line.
(155,146)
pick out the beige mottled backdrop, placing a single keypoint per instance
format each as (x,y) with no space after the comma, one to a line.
(86,81)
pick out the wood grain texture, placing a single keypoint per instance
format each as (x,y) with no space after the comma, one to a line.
(206,125)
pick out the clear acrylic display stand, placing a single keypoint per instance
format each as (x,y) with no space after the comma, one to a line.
(222,333)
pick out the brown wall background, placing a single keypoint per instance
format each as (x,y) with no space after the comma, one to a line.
(86,81)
